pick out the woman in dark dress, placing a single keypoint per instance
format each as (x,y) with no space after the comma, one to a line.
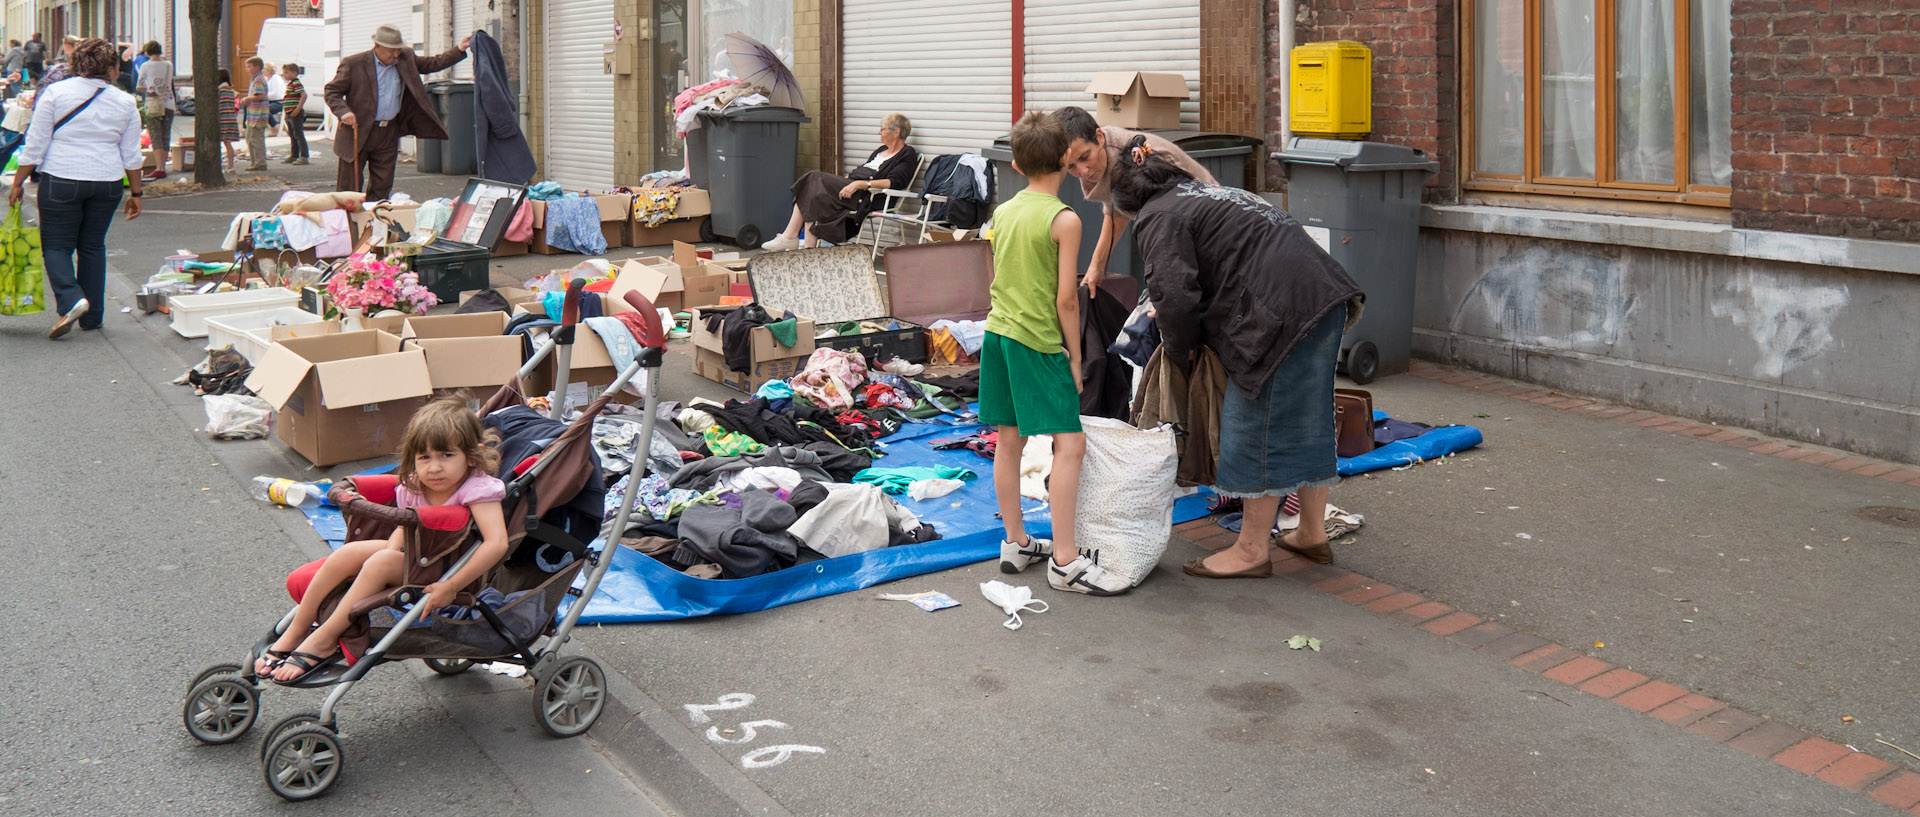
(1229,271)
(832,208)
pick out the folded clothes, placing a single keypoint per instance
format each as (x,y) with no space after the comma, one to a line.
(896,481)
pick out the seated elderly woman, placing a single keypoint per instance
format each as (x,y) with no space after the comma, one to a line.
(832,208)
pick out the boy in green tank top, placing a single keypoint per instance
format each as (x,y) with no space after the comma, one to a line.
(1029,384)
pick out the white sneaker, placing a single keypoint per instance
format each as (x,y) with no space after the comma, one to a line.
(65,324)
(1015,558)
(1084,575)
(780,243)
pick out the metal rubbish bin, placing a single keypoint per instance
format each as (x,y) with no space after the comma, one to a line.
(1361,201)
(1224,155)
(454,100)
(745,158)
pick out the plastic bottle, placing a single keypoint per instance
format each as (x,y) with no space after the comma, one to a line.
(287,492)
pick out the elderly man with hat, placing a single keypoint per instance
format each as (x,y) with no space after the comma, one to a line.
(379,98)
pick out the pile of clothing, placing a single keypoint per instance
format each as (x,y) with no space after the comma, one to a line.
(715,96)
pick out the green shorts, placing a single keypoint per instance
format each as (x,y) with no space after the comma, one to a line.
(1024,388)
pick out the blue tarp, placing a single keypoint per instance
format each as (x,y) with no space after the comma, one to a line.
(640,588)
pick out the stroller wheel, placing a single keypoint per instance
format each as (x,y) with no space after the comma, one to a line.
(568,700)
(448,666)
(221,708)
(303,762)
(284,725)
(216,669)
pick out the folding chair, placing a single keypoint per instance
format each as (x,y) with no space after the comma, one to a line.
(906,209)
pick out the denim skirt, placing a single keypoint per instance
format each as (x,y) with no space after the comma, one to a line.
(1282,440)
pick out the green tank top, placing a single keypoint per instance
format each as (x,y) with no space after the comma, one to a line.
(1026,272)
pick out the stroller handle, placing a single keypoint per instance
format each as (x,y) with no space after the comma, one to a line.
(570,307)
(652,335)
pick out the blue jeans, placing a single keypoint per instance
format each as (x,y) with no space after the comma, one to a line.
(1283,440)
(74,217)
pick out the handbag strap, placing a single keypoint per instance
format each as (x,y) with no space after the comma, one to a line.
(76,111)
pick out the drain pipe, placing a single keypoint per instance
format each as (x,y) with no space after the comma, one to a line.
(1283,33)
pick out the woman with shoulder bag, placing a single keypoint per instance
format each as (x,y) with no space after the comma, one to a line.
(84,140)
(832,208)
(159,105)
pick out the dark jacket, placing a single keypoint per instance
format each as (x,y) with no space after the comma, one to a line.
(502,148)
(355,89)
(1107,379)
(1229,270)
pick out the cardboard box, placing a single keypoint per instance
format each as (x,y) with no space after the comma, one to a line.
(404,216)
(342,397)
(591,365)
(679,230)
(182,158)
(685,281)
(1140,100)
(509,249)
(465,351)
(712,365)
(768,359)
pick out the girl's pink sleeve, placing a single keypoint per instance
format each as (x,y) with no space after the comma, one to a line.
(480,488)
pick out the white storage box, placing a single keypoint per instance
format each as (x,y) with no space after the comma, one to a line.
(190,312)
(251,333)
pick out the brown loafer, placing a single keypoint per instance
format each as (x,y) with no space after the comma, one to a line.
(1319,554)
(1198,567)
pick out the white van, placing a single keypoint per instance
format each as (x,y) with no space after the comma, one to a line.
(300,40)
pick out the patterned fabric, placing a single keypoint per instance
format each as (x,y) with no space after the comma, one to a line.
(829,285)
(831,378)
(229,115)
(724,443)
(653,206)
(296,97)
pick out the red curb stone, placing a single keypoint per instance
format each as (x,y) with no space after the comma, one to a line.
(1397,601)
(1568,403)
(1746,443)
(1366,593)
(1314,574)
(1768,739)
(1502,389)
(1811,755)
(1725,436)
(1285,563)
(1577,670)
(1655,421)
(1636,416)
(1593,408)
(1450,623)
(1701,432)
(1649,696)
(1341,584)
(1533,395)
(1902,476)
(1849,463)
(1613,411)
(1513,645)
(1422,612)
(1855,770)
(1873,469)
(1612,683)
(1480,635)
(1769,447)
(1819,458)
(1677,427)
(1687,710)
(1899,791)
(1726,724)
(1794,453)
(1544,658)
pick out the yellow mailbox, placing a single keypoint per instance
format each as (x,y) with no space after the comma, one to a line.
(1332,93)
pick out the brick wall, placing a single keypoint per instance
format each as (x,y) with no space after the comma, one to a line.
(807,61)
(1415,88)
(633,96)
(294,8)
(1824,119)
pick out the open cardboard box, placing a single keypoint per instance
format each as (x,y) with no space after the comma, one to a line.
(1140,100)
(591,365)
(342,397)
(465,351)
(685,281)
(689,212)
(768,360)
(616,213)
(404,216)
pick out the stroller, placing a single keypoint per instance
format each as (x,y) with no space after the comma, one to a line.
(507,617)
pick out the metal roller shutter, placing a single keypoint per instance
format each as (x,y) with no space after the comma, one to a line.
(579,95)
(1069,40)
(358,19)
(947,66)
(462,26)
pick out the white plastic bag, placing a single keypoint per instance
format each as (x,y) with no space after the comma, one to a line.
(1126,495)
(238,417)
(925,489)
(1013,600)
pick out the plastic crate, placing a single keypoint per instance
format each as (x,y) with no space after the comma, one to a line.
(448,268)
(250,333)
(190,312)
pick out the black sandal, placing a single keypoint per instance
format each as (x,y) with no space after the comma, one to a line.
(308,664)
(274,658)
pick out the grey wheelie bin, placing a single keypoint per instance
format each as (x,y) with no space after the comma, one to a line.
(460,154)
(1361,201)
(430,155)
(1225,155)
(745,158)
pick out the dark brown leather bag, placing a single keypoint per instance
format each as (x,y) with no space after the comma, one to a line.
(1353,421)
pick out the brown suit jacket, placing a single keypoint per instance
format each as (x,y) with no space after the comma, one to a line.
(354,89)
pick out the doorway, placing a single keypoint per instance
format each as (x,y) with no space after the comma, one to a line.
(247,17)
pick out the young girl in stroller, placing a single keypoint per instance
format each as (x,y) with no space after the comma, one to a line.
(445,459)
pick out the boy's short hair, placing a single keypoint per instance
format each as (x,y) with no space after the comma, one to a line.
(256,62)
(292,66)
(1039,142)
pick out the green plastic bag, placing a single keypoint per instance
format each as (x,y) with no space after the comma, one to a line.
(23,273)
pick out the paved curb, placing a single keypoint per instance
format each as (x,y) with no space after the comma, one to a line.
(1787,745)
